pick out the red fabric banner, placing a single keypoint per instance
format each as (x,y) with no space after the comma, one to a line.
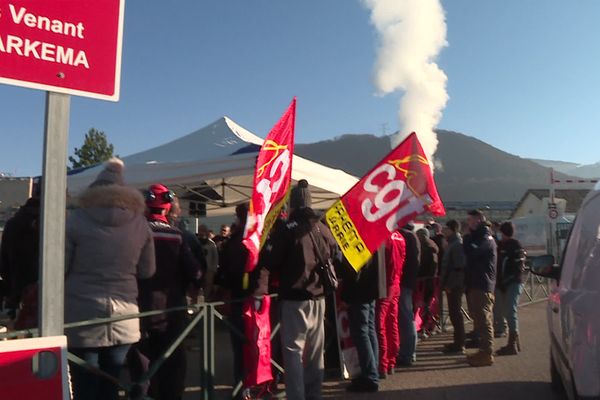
(272,178)
(398,189)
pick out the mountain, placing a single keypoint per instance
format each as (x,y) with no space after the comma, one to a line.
(467,169)
(587,171)
(560,166)
(570,168)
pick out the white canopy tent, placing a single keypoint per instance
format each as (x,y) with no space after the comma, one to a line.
(217,163)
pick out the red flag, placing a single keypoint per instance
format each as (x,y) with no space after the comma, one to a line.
(272,178)
(398,189)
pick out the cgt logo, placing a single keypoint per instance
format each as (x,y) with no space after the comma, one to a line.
(272,174)
(396,190)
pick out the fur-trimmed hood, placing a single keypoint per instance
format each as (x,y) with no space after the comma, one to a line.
(111,204)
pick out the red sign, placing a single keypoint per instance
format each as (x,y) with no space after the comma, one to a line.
(272,178)
(398,189)
(66,46)
(21,376)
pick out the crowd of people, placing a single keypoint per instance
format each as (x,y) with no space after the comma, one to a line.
(127,253)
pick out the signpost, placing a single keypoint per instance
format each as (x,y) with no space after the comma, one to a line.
(66,47)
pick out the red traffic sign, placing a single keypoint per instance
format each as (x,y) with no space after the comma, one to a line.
(23,377)
(65,46)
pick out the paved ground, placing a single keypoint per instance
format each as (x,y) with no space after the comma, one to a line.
(437,376)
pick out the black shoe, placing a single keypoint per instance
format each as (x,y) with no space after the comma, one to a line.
(382,375)
(404,363)
(498,335)
(472,344)
(363,386)
(452,348)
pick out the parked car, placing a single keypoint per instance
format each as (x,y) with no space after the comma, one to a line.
(574,305)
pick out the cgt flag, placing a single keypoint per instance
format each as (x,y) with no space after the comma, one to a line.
(398,189)
(272,178)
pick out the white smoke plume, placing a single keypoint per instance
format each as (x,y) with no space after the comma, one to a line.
(411,35)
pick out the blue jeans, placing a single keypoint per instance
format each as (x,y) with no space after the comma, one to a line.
(362,330)
(88,386)
(508,302)
(407,327)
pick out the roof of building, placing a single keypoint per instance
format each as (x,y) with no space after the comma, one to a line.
(574,197)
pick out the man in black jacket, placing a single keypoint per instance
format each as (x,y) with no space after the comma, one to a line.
(509,286)
(293,254)
(176,268)
(480,280)
(406,317)
(19,260)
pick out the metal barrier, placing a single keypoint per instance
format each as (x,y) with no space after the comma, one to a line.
(205,312)
(535,289)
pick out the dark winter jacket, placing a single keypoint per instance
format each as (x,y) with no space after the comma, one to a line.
(480,252)
(453,264)
(412,260)
(19,253)
(428,267)
(361,287)
(440,241)
(232,266)
(291,254)
(176,269)
(511,263)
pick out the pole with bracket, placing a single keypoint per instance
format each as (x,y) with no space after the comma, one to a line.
(53,214)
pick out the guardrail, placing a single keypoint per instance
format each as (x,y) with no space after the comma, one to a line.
(535,290)
(206,313)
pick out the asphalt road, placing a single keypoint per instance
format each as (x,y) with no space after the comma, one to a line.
(436,376)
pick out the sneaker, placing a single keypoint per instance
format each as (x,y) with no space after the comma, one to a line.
(500,334)
(391,371)
(480,359)
(472,344)
(452,348)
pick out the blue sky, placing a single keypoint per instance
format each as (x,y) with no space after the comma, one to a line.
(522,76)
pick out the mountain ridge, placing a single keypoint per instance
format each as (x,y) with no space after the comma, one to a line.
(469,169)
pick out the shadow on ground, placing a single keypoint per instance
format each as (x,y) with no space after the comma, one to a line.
(483,391)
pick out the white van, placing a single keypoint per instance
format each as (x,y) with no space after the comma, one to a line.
(574,305)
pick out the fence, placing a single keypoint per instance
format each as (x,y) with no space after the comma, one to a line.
(205,313)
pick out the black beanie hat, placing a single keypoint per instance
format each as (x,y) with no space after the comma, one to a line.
(300,196)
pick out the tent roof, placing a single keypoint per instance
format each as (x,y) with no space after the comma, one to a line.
(221,156)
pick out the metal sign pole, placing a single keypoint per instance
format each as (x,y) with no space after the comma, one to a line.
(53,212)
(553,239)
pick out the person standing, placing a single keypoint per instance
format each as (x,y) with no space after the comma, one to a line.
(511,263)
(480,279)
(408,283)
(359,291)
(108,247)
(453,282)
(176,269)
(19,263)
(211,255)
(387,308)
(291,254)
